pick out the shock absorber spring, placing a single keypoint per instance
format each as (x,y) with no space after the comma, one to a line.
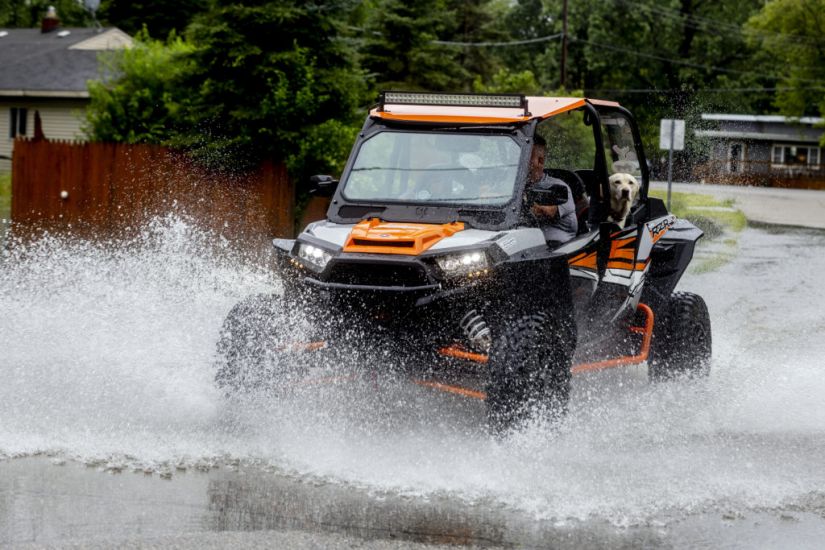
(476,330)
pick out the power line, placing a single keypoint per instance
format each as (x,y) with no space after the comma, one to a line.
(631,52)
(688,63)
(697,21)
(498,44)
(693,20)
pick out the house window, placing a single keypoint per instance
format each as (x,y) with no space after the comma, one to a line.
(777,155)
(17,123)
(799,156)
(736,154)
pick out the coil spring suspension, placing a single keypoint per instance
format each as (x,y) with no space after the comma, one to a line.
(476,330)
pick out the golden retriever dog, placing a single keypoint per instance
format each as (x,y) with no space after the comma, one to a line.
(623,191)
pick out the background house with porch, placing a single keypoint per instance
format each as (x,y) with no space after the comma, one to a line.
(763,150)
(45,70)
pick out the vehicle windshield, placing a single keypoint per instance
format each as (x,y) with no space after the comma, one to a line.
(435,168)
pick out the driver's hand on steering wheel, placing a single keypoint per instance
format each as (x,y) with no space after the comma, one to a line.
(550,212)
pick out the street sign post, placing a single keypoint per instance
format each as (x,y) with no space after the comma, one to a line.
(672,138)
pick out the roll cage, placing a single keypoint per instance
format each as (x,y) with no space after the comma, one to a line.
(521,126)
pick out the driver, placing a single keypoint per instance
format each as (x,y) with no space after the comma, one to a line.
(558,223)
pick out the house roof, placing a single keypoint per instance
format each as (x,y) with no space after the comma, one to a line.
(757,136)
(53,64)
(775,128)
(761,118)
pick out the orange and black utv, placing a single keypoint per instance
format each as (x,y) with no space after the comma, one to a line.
(429,248)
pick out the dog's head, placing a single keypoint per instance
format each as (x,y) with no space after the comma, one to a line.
(623,188)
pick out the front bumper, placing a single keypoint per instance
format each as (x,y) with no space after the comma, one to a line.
(370,276)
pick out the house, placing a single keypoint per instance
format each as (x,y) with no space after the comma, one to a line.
(45,71)
(763,150)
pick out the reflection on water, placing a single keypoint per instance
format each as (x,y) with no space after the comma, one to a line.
(252,500)
(45,502)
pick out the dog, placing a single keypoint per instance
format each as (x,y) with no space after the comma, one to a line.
(623,191)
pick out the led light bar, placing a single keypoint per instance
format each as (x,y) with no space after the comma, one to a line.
(507,101)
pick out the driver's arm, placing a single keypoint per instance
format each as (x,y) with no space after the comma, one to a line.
(549,213)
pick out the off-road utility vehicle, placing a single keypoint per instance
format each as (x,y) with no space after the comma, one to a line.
(430,249)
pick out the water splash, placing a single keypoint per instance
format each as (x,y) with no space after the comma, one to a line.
(107,357)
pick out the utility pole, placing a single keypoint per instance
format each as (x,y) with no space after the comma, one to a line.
(670,161)
(564,46)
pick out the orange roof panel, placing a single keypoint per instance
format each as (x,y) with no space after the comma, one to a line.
(604,103)
(539,107)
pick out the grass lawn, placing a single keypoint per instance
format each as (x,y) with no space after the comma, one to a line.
(720,221)
(5,196)
(703,210)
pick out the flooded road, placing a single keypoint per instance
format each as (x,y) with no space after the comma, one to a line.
(111,428)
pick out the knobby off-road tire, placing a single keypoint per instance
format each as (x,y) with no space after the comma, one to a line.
(529,370)
(253,347)
(681,344)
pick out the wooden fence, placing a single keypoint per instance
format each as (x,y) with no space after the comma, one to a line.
(108,188)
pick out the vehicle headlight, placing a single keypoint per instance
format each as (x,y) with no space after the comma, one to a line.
(466,263)
(314,256)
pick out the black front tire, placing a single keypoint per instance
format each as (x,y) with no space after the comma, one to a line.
(682,342)
(529,370)
(253,346)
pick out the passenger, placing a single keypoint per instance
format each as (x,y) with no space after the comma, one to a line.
(558,223)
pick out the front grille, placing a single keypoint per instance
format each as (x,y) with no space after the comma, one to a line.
(383,244)
(375,274)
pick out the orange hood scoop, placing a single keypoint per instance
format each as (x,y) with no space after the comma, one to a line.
(379,237)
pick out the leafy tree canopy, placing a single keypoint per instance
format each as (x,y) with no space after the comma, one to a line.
(508,82)
(159,18)
(292,79)
(793,33)
(252,81)
(398,48)
(267,76)
(139,97)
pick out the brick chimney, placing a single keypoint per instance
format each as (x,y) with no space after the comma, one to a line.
(50,22)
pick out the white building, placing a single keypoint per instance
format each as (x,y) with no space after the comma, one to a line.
(46,72)
(769,146)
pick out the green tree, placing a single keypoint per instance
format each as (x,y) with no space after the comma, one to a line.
(477,21)
(509,82)
(160,18)
(138,99)
(253,80)
(398,47)
(793,33)
(529,20)
(267,78)
(666,58)
(291,80)
(678,46)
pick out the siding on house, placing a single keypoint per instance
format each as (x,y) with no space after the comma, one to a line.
(758,134)
(760,155)
(757,138)
(61,120)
